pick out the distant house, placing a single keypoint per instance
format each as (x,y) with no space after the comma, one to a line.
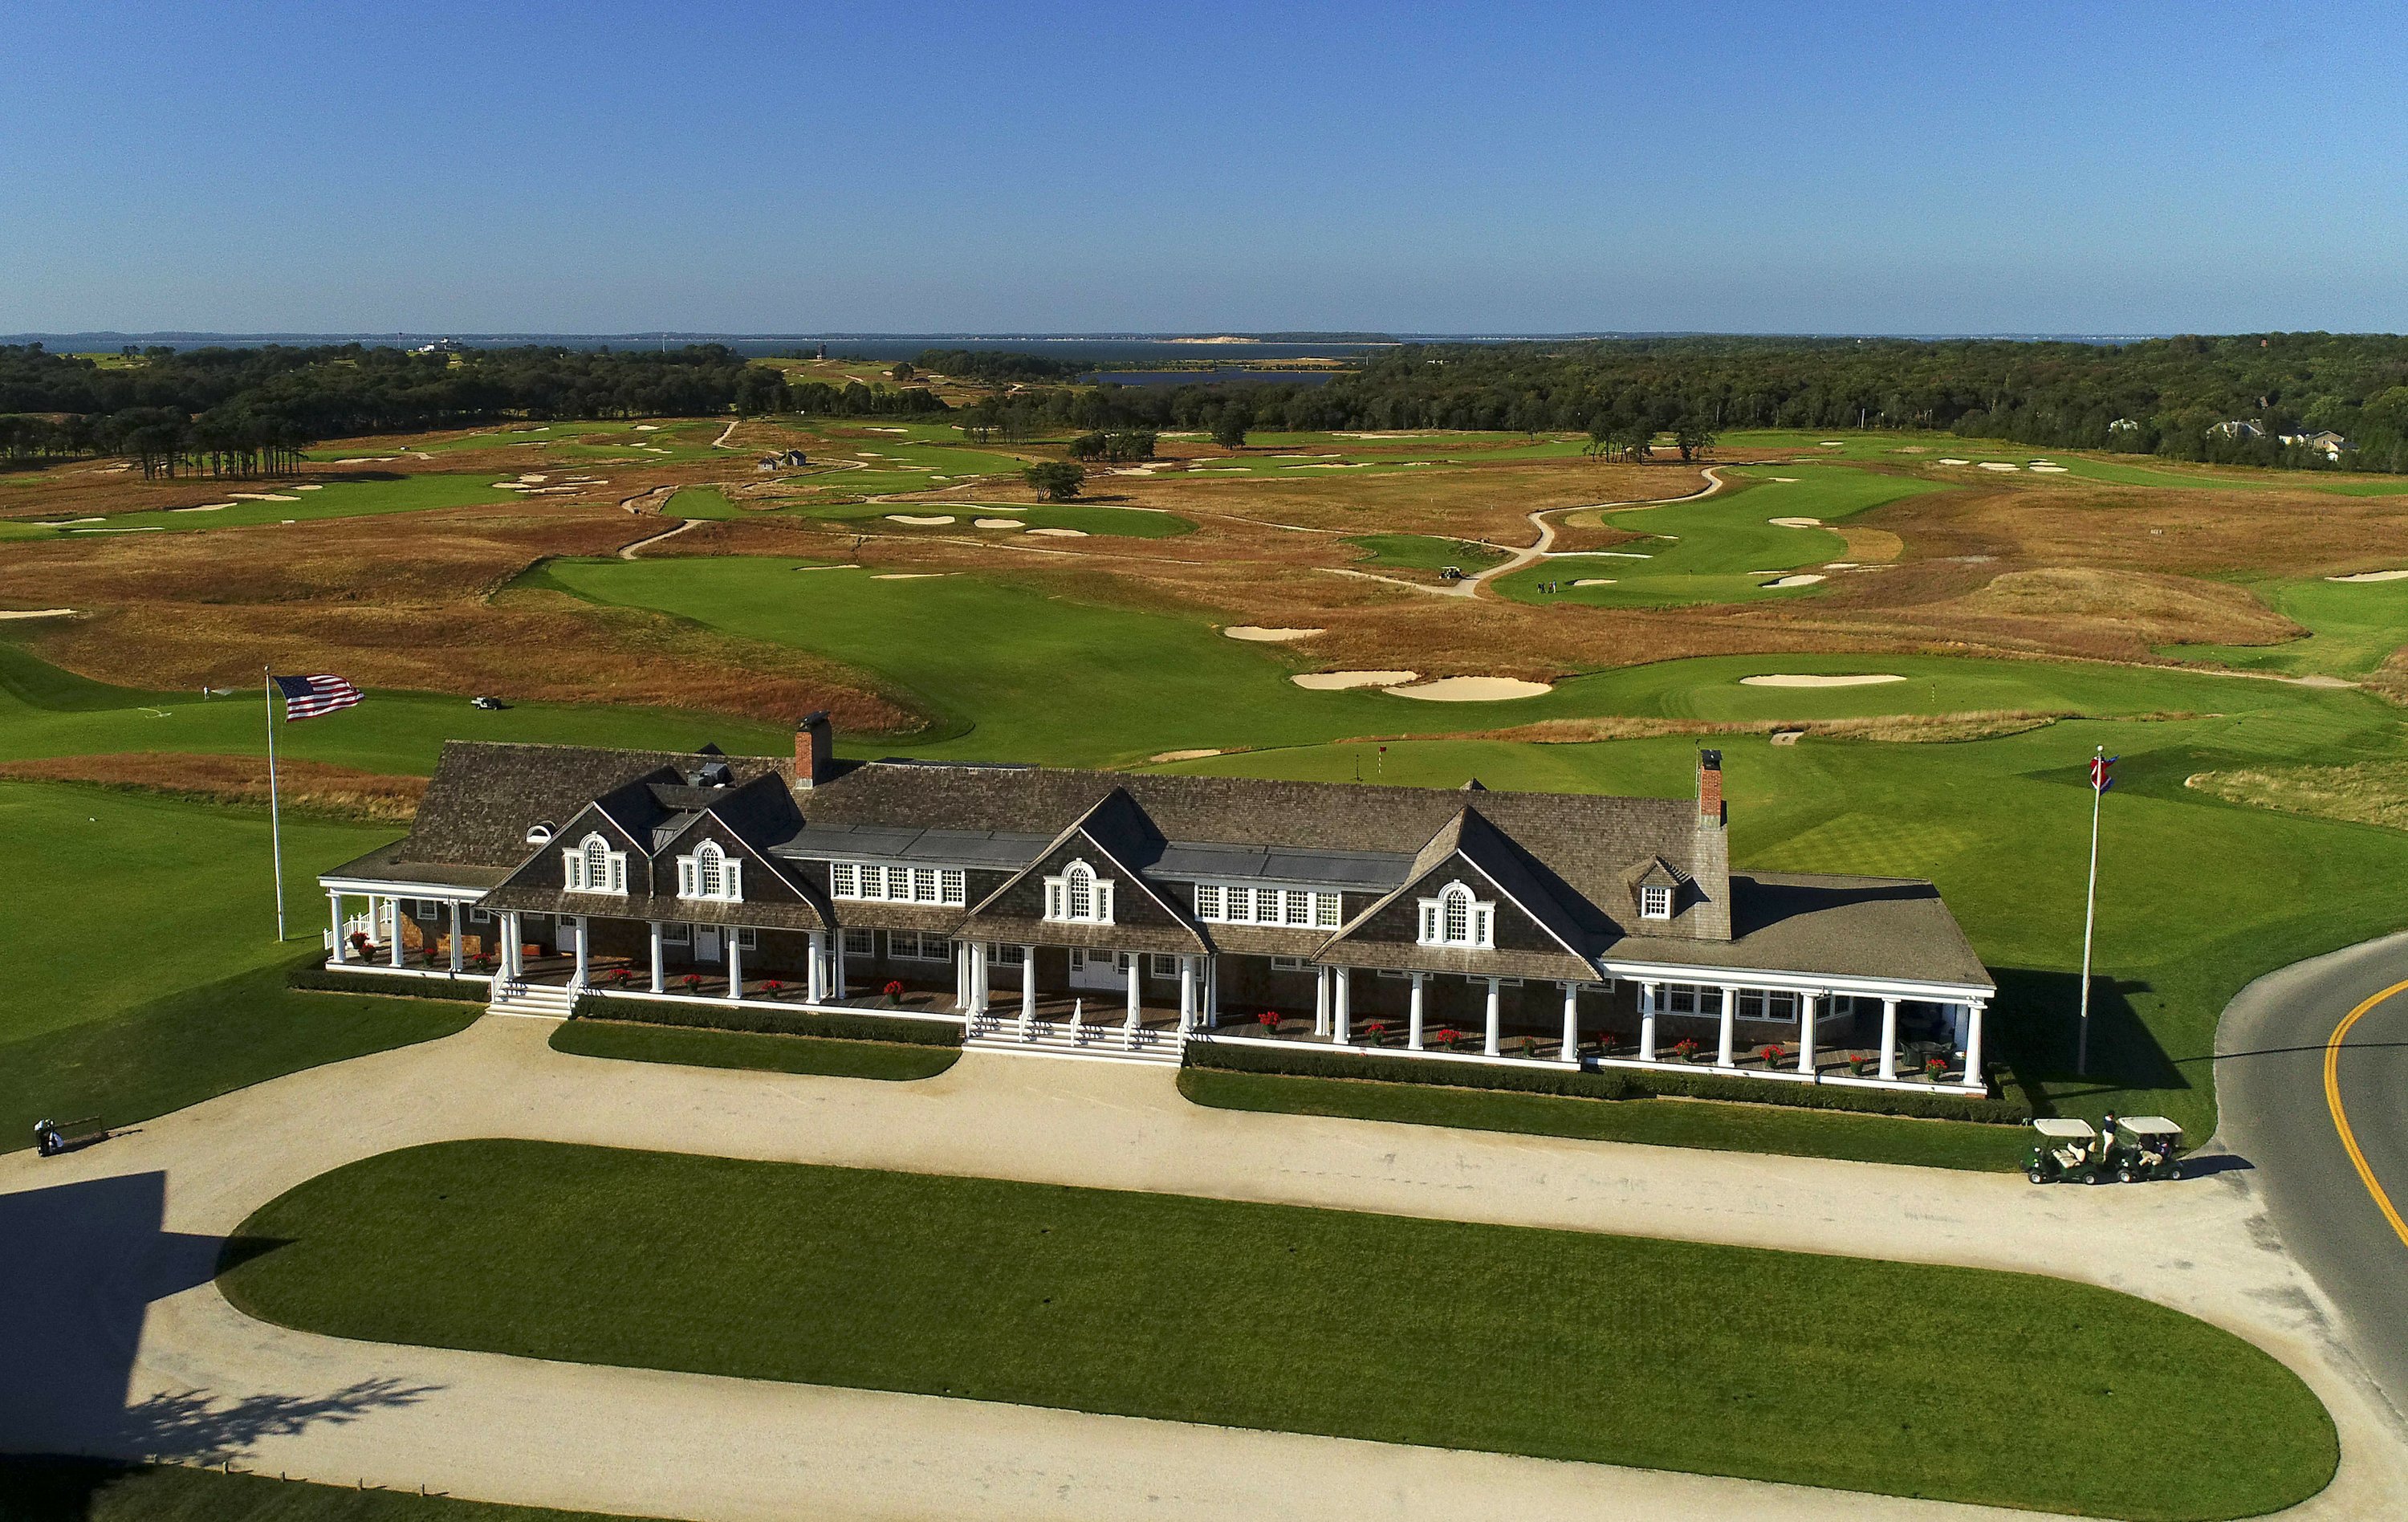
(442,346)
(784,459)
(2238,428)
(2325,442)
(2124,425)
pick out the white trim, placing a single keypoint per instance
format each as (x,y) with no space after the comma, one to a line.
(1455,901)
(1063,892)
(1804,983)
(1656,901)
(396,888)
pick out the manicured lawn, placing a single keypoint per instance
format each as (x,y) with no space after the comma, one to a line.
(701,502)
(1653,1122)
(102,1491)
(751,1051)
(1087,518)
(2352,625)
(1896,1378)
(331,498)
(1424,551)
(196,1043)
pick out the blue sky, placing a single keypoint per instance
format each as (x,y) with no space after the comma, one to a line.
(793,167)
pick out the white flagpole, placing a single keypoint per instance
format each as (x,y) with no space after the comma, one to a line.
(275,816)
(2089,922)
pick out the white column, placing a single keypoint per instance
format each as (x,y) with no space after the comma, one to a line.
(1131,1022)
(1806,1031)
(1027,983)
(815,970)
(1414,1015)
(835,960)
(1724,1055)
(1495,1010)
(342,946)
(393,949)
(1647,1021)
(458,962)
(1341,1007)
(962,975)
(1973,1075)
(1571,1026)
(513,965)
(660,960)
(981,975)
(1321,1002)
(1186,994)
(735,943)
(580,978)
(1889,1039)
(1211,990)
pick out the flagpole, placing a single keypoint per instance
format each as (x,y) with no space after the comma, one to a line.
(2089,922)
(275,816)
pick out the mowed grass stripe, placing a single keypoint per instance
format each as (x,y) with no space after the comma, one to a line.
(1898,1378)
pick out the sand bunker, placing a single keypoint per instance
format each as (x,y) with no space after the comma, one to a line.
(1999,465)
(920,520)
(205,507)
(1802,579)
(1321,681)
(1785,481)
(1594,581)
(1183,755)
(2372,576)
(280,496)
(909,576)
(2046,469)
(1795,522)
(1831,443)
(1269,637)
(248,497)
(1955,462)
(648,427)
(308,488)
(1474,689)
(36,612)
(1869,680)
(997,523)
(1062,533)
(850,564)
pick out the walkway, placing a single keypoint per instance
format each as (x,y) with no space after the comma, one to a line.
(119,1343)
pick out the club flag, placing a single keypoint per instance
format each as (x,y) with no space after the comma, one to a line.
(2101,777)
(309,697)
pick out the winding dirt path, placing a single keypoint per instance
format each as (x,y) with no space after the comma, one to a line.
(1530,555)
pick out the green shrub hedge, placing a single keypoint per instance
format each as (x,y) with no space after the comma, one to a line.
(316,976)
(852,1027)
(1605,1083)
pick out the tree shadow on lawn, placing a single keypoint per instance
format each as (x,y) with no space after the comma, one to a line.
(85,1261)
(2038,1040)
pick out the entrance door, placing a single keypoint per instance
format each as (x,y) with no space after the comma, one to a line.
(706,943)
(563,936)
(1107,970)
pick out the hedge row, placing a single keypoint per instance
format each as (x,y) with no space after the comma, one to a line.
(1605,1083)
(851,1027)
(315,975)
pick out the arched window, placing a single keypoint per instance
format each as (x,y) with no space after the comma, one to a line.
(710,870)
(1456,901)
(1456,918)
(1082,885)
(596,852)
(1078,894)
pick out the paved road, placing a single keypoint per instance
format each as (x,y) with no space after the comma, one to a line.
(118,1342)
(2272,1057)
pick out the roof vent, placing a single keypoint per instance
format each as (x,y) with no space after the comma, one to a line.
(539,833)
(711,774)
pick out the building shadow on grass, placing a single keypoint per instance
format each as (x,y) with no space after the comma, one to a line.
(84,1263)
(2038,1040)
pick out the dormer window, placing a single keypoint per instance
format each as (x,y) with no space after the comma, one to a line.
(591,867)
(1656,901)
(1456,918)
(539,834)
(710,873)
(1079,896)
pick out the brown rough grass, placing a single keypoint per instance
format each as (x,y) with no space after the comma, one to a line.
(1902,729)
(2365,792)
(308,788)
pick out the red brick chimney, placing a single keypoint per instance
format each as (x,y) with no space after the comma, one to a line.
(814,751)
(1709,787)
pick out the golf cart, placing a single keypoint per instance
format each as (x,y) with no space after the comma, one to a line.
(2144,1147)
(2067,1149)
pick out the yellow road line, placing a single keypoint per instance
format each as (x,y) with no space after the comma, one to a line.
(2341,1119)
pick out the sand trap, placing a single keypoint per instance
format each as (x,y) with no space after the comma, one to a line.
(248,497)
(1474,689)
(308,488)
(1870,680)
(850,564)
(1804,579)
(997,523)
(1795,522)
(205,507)
(909,576)
(1955,462)
(63,523)
(648,427)
(36,612)
(1842,565)
(1595,581)
(1062,533)
(1321,681)
(1183,755)
(1831,443)
(1612,554)
(920,520)
(2046,469)
(280,496)
(2372,576)
(1260,635)
(1998,465)
(535,479)
(1785,480)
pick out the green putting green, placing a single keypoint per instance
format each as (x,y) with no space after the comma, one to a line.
(1425,552)
(2353,626)
(1846,1373)
(300,502)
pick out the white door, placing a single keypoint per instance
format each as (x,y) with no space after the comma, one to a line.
(706,944)
(1108,971)
(563,934)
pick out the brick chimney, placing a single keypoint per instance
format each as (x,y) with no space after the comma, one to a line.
(814,751)
(1710,918)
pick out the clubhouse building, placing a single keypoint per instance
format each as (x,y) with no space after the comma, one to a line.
(1096,914)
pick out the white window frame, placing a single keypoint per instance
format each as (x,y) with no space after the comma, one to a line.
(481,916)
(871,881)
(580,872)
(1656,901)
(1778,1006)
(1079,880)
(859,941)
(912,946)
(676,933)
(731,874)
(1454,918)
(748,938)
(1244,903)
(426,908)
(1290,964)
(1000,954)
(1161,965)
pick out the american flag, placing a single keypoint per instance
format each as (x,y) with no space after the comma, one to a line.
(307,698)
(2102,776)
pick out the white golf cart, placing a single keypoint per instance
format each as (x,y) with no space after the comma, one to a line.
(2067,1149)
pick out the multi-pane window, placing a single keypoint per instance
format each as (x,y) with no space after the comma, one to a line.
(918,946)
(1289,963)
(1692,999)
(1768,1004)
(877,883)
(1161,965)
(1079,896)
(861,942)
(1228,903)
(1456,918)
(999,954)
(1655,902)
(591,867)
(710,873)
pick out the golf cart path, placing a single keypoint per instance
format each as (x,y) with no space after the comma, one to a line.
(125,1347)
(1532,554)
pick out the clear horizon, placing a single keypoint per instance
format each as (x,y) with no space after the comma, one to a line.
(1530,170)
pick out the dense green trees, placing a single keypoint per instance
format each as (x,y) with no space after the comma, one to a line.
(1135,444)
(1057,481)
